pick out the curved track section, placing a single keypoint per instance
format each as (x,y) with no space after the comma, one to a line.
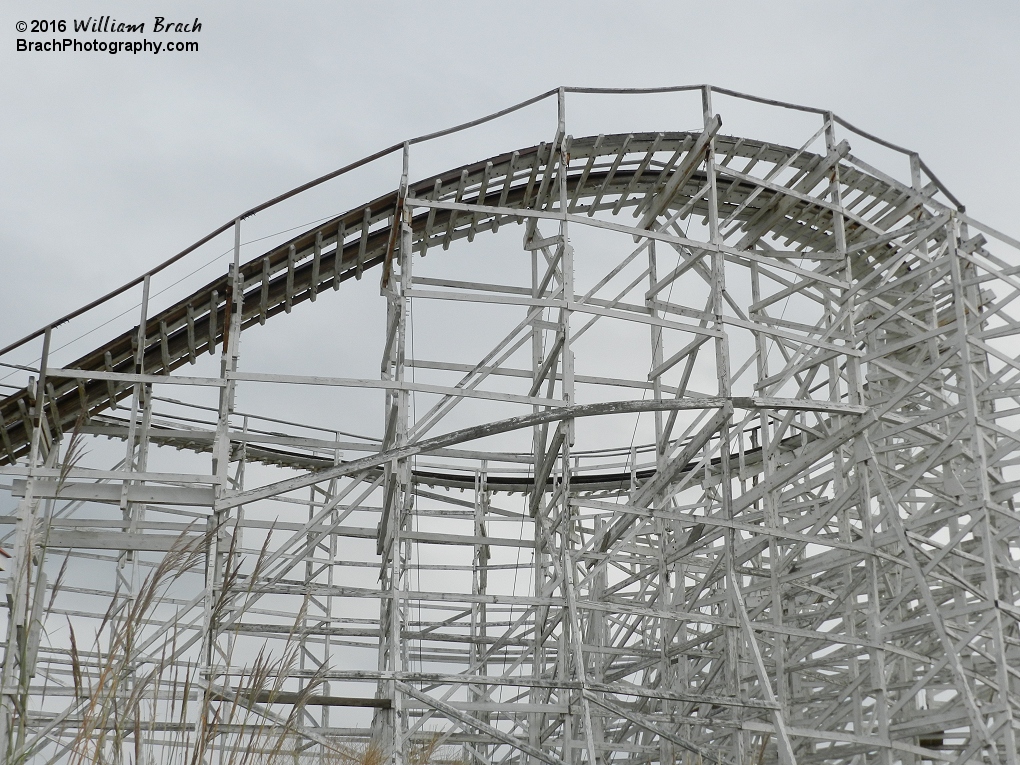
(298,270)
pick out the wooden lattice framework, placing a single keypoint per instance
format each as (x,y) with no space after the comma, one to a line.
(743,495)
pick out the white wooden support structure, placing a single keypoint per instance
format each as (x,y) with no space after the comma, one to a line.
(720,466)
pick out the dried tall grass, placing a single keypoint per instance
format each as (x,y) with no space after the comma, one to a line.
(113,694)
(118,675)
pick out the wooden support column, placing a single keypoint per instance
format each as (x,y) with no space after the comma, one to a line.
(973,366)
(23,588)
(218,545)
(390,725)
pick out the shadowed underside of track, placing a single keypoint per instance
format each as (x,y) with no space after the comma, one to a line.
(605,175)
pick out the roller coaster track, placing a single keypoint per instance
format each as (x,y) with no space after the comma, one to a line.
(297,270)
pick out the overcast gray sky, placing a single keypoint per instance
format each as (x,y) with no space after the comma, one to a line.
(109,164)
